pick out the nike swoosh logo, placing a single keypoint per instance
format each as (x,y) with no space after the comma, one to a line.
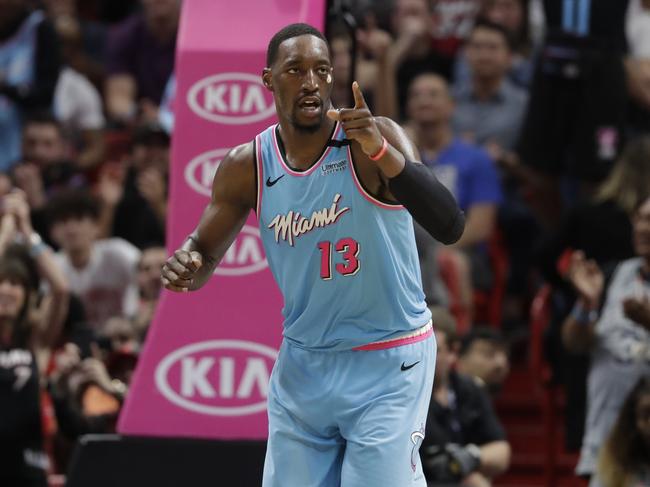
(406,367)
(270,183)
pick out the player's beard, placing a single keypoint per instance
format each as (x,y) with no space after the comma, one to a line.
(311,128)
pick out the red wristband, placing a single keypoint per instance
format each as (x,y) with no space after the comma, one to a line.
(382,151)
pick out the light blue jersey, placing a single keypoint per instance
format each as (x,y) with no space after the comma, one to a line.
(346,263)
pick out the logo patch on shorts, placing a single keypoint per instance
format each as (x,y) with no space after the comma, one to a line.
(416,438)
(407,367)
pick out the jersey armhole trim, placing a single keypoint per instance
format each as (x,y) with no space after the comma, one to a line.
(370,198)
(259,172)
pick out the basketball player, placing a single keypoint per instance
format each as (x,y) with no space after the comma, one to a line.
(333,190)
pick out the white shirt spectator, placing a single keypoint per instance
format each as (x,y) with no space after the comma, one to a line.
(638,29)
(106,286)
(621,356)
(77,103)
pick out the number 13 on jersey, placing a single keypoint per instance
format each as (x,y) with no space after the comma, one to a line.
(349,250)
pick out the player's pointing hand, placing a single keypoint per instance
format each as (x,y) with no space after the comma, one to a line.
(359,124)
(178,272)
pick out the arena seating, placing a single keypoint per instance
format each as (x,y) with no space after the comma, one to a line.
(539,456)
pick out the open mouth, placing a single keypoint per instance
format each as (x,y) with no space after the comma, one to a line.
(310,104)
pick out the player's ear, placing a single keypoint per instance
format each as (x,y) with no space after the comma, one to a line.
(266,79)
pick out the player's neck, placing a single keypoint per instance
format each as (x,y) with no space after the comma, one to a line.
(302,147)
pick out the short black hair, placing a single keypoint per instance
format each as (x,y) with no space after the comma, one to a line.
(291,30)
(74,203)
(480,333)
(483,23)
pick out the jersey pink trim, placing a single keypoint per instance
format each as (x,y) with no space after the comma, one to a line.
(398,342)
(260,176)
(364,193)
(315,165)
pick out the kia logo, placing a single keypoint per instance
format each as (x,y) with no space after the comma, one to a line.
(200,171)
(245,255)
(231,98)
(218,377)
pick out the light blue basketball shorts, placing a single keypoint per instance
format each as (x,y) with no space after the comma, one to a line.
(350,419)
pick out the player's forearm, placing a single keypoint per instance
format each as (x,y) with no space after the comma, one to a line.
(416,187)
(428,201)
(392,162)
(495,458)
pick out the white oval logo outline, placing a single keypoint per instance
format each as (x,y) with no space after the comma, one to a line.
(166,363)
(197,161)
(193,99)
(247,269)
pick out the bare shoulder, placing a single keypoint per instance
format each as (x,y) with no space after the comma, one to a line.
(397,137)
(235,180)
(239,159)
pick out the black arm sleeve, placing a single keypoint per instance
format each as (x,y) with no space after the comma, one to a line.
(429,202)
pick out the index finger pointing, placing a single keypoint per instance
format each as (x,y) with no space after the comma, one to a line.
(359,100)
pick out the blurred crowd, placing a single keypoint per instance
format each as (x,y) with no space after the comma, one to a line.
(534,113)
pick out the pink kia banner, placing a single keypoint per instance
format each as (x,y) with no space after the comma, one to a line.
(205,368)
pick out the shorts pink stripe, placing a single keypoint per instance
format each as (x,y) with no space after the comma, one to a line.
(395,343)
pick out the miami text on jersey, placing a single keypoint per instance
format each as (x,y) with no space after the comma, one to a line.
(292,225)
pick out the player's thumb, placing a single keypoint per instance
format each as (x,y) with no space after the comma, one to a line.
(197,259)
(333,114)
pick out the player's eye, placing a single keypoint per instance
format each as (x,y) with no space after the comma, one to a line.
(292,70)
(323,71)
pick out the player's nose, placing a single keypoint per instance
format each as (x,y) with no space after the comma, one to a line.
(309,81)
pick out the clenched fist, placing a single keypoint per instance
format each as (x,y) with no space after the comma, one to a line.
(179,270)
